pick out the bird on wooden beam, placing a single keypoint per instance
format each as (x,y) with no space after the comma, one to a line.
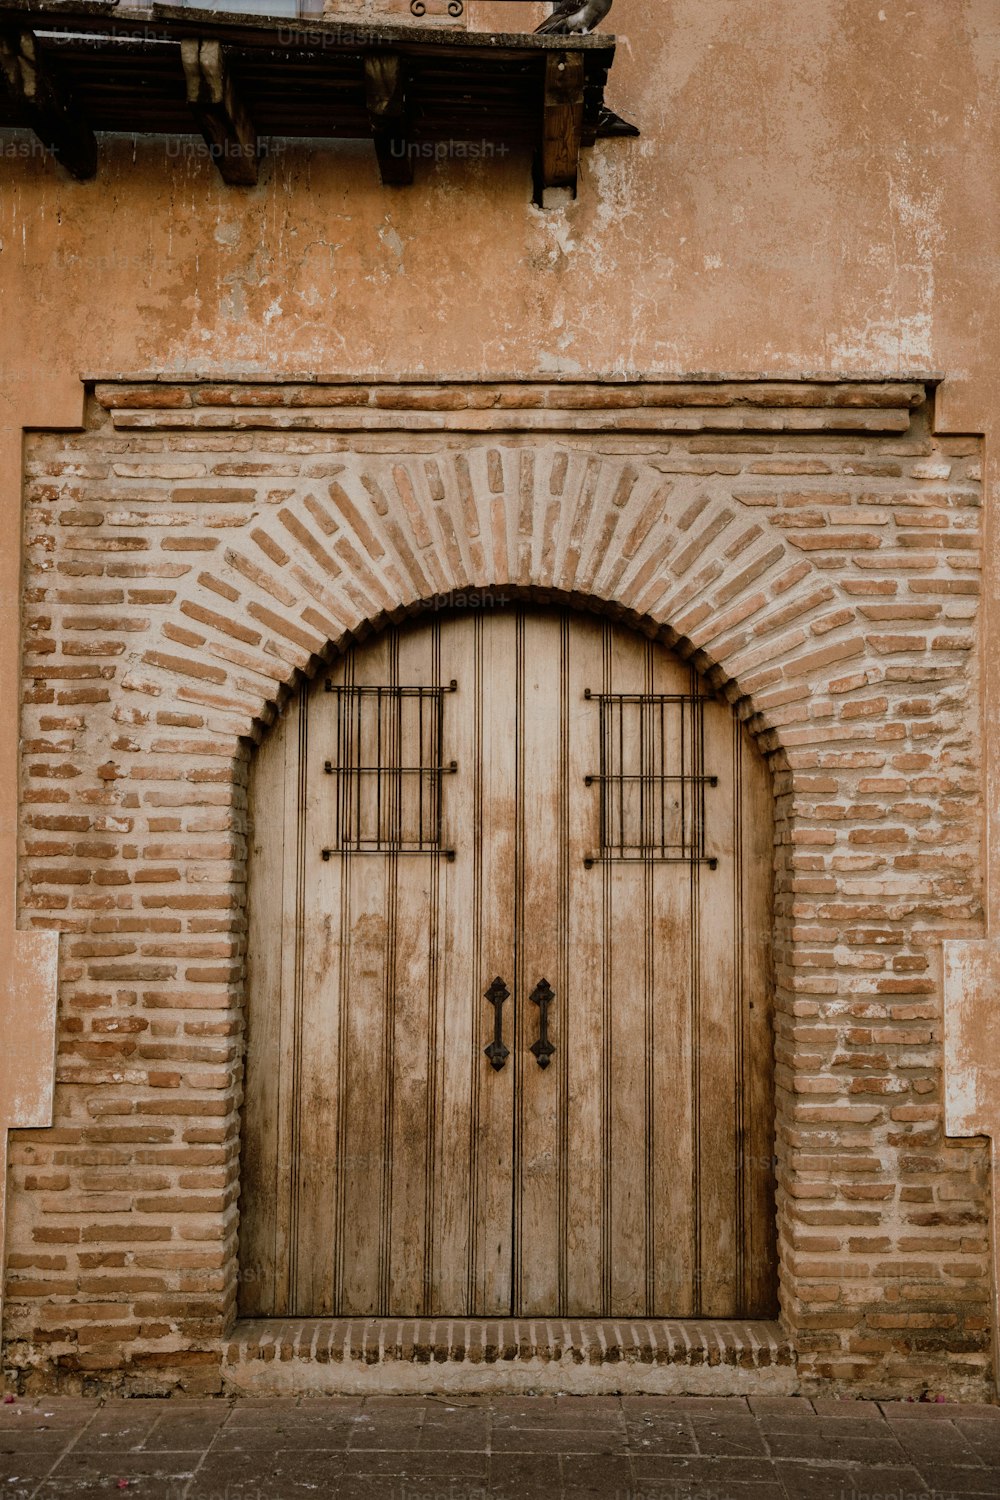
(575,17)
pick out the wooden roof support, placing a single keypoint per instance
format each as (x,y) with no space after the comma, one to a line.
(385,96)
(77,67)
(45,105)
(562,123)
(221,114)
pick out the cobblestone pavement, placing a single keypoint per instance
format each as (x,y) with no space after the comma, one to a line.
(402,1448)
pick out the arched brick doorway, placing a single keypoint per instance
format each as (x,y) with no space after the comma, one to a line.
(510,1003)
(771,532)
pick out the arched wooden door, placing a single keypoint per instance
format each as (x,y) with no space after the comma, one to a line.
(510,1008)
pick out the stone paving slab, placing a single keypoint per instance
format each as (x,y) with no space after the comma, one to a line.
(511,1448)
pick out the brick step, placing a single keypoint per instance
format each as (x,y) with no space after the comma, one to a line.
(405,1354)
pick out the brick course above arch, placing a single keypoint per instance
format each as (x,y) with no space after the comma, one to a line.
(197,547)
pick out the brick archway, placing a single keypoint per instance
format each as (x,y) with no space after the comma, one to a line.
(198,547)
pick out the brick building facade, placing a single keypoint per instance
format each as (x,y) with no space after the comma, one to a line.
(242,474)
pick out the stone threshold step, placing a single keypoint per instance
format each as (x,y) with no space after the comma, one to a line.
(706,1356)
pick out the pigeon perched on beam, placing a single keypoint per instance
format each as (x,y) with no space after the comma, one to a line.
(575,17)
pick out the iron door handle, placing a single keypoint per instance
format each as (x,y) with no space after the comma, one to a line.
(496,1051)
(543,995)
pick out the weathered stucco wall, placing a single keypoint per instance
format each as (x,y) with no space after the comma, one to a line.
(816,190)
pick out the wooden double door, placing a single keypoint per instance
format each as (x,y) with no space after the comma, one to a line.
(509,1022)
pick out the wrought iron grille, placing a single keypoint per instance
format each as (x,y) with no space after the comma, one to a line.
(389,767)
(652,778)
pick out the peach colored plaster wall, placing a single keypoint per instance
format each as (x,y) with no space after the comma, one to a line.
(817,189)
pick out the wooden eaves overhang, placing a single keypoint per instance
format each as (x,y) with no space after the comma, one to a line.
(70,72)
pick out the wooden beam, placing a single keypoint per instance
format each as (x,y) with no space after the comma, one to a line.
(45,105)
(222,115)
(562,122)
(385,96)
(318,82)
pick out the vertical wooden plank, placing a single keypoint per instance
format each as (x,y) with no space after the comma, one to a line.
(630,990)
(286,1242)
(495,1147)
(259,1206)
(411,1000)
(760,1291)
(318,1023)
(364,1163)
(462,1072)
(582,1057)
(543,770)
(671,1216)
(717,1040)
